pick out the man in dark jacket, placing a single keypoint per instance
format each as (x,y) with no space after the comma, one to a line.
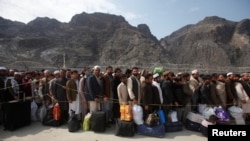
(167,86)
(96,89)
(150,96)
(60,94)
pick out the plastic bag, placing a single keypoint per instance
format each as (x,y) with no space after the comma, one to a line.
(138,114)
(172,116)
(42,112)
(237,113)
(34,108)
(86,122)
(222,114)
(73,123)
(207,112)
(56,112)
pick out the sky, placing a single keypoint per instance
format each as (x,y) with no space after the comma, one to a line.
(163,17)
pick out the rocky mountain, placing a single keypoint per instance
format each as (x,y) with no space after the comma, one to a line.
(105,39)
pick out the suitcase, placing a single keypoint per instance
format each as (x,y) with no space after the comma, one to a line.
(98,121)
(16,114)
(204,130)
(230,122)
(192,126)
(173,126)
(125,128)
(155,131)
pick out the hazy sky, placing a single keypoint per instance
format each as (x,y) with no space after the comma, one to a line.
(162,16)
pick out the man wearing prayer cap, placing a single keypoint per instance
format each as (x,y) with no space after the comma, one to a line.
(229,73)
(194,71)
(95,87)
(230,89)
(97,67)
(56,72)
(156,75)
(3,68)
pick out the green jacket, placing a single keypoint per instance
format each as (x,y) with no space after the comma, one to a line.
(71,90)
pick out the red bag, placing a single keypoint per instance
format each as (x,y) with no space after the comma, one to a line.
(56,112)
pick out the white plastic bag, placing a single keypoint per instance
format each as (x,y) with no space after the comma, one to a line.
(207,112)
(33,110)
(237,113)
(42,112)
(172,116)
(201,108)
(138,114)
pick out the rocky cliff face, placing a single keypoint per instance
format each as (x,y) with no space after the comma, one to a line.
(213,41)
(104,39)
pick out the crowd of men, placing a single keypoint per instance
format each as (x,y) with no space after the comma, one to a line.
(92,90)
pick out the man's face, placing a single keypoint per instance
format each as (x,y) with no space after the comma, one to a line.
(97,72)
(196,75)
(135,72)
(62,73)
(2,72)
(109,71)
(245,77)
(221,77)
(158,79)
(231,77)
(124,79)
(75,75)
(118,73)
(149,80)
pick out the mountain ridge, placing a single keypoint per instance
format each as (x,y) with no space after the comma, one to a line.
(107,39)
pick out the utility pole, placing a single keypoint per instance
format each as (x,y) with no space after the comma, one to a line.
(64,60)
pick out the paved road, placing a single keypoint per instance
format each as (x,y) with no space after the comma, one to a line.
(38,132)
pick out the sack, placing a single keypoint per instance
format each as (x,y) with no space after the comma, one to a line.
(126,112)
(152,119)
(56,112)
(86,122)
(137,114)
(73,123)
